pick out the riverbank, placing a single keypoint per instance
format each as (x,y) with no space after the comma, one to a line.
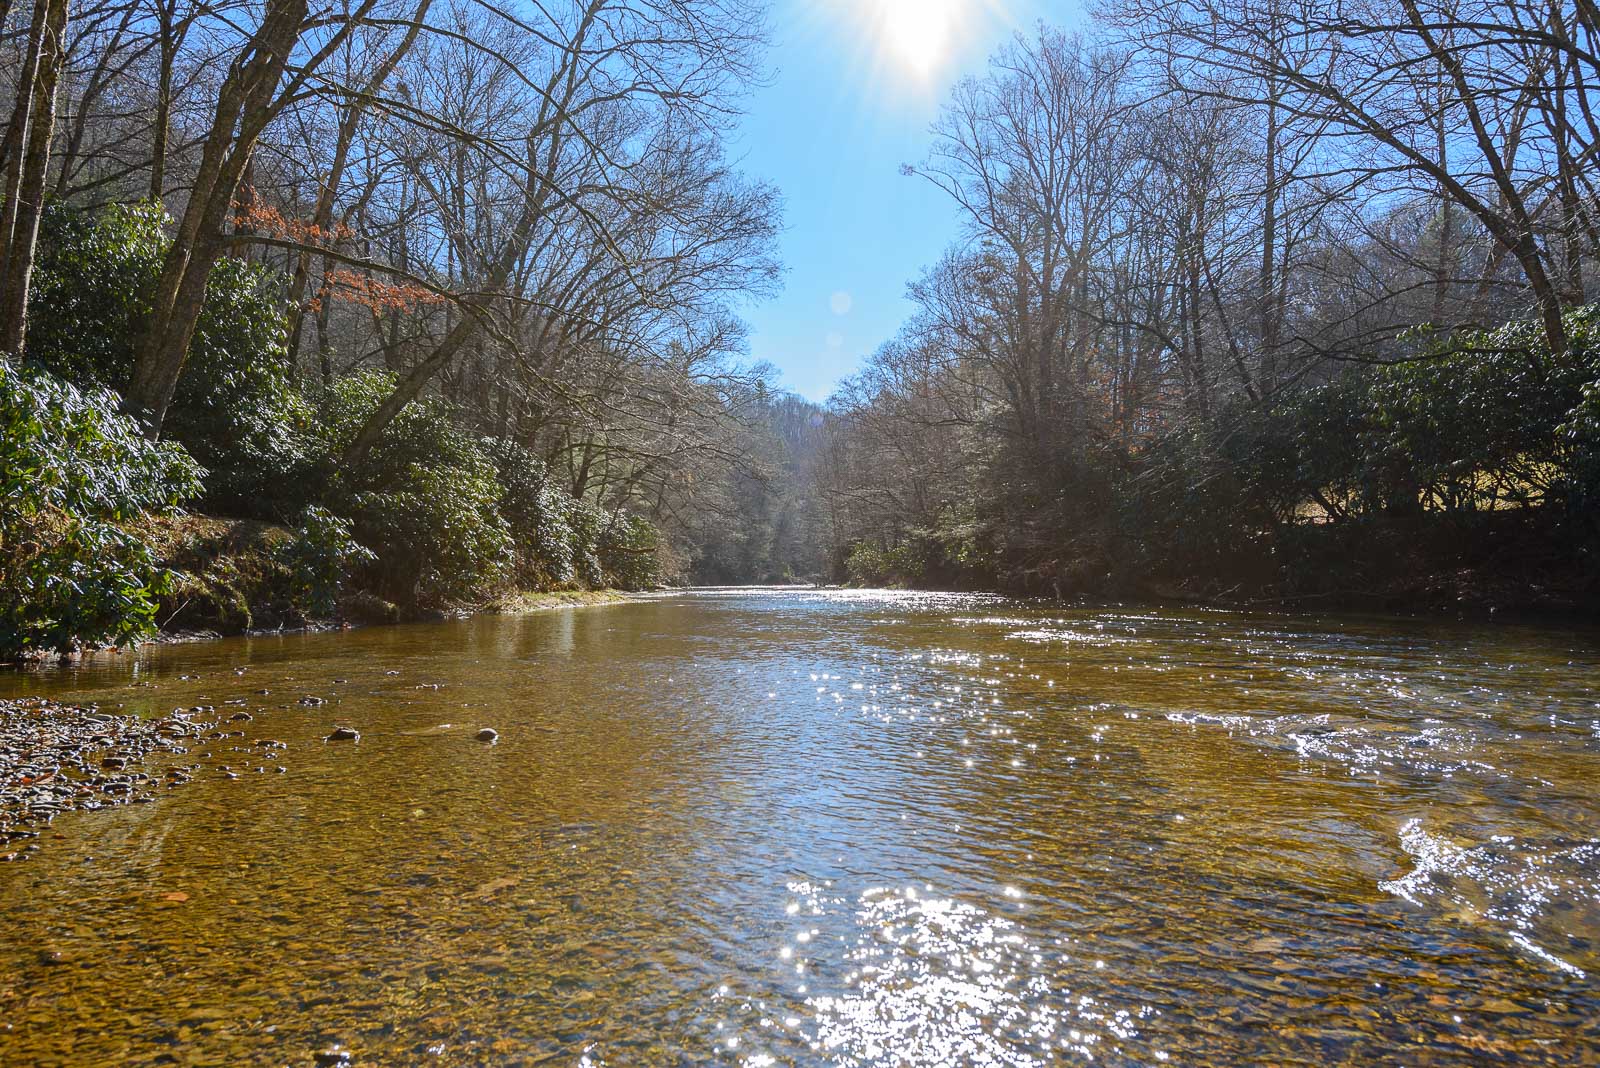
(231,578)
(519,604)
(1508,565)
(515,604)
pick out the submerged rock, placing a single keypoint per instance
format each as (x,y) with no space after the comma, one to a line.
(344,734)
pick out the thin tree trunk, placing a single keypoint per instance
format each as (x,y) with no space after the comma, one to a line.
(322,214)
(162,129)
(408,389)
(1444,267)
(17,129)
(1270,323)
(1517,232)
(96,86)
(32,170)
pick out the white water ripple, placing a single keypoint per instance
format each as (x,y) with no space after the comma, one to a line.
(1517,886)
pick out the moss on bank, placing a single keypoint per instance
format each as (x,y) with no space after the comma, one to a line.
(231,575)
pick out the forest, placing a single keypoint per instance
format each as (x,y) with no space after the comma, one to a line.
(387,308)
(1256,303)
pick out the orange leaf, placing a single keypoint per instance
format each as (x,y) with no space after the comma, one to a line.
(176,895)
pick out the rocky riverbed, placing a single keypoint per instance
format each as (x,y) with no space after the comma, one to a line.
(55,758)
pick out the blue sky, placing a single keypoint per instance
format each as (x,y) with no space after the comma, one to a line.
(855,85)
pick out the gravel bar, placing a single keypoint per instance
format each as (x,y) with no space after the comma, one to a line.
(56,758)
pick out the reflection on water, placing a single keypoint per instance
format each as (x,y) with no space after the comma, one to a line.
(940,981)
(863,828)
(1533,889)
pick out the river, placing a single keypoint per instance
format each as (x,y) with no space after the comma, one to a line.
(772,827)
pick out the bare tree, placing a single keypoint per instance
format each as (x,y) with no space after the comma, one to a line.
(27,160)
(259,86)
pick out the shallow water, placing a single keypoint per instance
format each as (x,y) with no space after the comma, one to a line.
(770,827)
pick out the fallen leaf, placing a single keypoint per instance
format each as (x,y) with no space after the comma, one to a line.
(176,895)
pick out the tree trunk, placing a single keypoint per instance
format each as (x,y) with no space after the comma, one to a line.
(93,90)
(536,191)
(26,178)
(1517,232)
(1444,264)
(244,107)
(408,389)
(17,129)
(1270,323)
(162,129)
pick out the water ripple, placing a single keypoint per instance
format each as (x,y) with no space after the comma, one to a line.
(1527,888)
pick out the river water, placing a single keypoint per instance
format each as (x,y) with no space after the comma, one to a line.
(838,828)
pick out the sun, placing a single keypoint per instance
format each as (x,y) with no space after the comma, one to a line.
(917,32)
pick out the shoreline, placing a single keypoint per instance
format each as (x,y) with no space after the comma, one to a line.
(519,604)
(531,603)
(524,604)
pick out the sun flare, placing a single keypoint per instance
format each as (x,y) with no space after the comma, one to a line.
(918,32)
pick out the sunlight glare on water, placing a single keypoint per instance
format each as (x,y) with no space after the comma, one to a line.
(779,827)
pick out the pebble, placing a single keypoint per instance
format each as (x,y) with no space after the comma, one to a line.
(488,734)
(332,1058)
(53,758)
(344,734)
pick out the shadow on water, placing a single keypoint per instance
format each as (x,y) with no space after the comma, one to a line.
(780,827)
